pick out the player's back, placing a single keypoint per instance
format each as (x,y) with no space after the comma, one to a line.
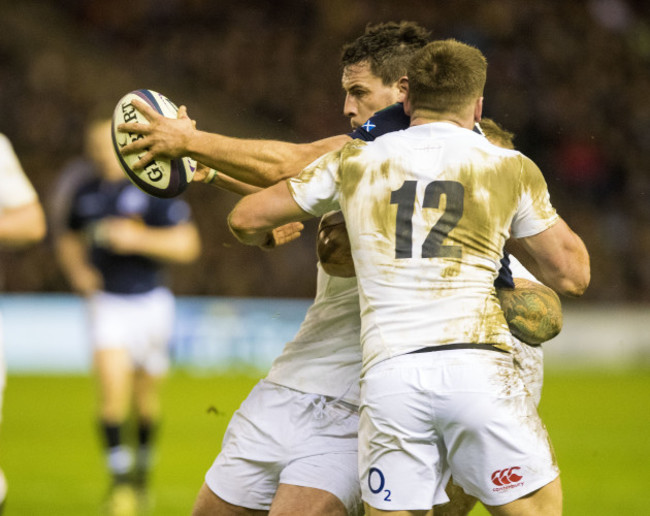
(324,357)
(431,208)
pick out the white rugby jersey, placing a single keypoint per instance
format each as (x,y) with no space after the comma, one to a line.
(325,356)
(15,188)
(428,210)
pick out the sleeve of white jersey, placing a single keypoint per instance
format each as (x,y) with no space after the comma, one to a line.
(15,188)
(315,188)
(535,212)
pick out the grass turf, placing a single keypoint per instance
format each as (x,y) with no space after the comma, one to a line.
(49,446)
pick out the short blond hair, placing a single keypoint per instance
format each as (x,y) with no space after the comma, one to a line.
(445,76)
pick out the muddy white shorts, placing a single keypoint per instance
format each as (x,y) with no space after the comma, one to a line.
(466,413)
(140,323)
(283,436)
(529,361)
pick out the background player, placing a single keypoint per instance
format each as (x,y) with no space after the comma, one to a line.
(111,248)
(22,222)
(414,430)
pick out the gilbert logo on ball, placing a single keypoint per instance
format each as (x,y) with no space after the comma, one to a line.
(162,177)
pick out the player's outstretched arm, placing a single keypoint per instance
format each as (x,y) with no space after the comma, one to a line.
(256,215)
(557,257)
(22,225)
(225,182)
(256,162)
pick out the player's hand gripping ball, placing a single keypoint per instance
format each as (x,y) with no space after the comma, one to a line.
(333,246)
(161,177)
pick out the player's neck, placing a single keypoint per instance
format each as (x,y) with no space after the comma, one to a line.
(421,120)
(427,116)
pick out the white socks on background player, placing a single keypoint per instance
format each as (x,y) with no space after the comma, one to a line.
(120,461)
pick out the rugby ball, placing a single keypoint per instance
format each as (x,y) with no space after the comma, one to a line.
(162,177)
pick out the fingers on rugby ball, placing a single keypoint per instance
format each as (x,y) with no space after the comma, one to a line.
(160,177)
(333,246)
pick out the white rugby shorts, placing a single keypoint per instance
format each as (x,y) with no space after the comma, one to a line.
(140,323)
(283,436)
(529,361)
(466,413)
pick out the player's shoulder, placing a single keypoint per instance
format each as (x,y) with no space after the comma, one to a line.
(353,148)
(486,145)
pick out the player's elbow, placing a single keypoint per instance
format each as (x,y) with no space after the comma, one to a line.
(575,285)
(242,224)
(238,222)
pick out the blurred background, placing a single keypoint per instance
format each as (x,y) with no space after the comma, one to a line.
(570,79)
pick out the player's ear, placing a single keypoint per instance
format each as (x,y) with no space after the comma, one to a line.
(402,86)
(478,109)
(404,94)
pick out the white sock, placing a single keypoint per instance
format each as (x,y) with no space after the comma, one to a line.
(120,460)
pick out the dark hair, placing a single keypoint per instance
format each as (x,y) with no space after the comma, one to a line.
(388,47)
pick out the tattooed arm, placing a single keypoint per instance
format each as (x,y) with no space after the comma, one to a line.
(533,311)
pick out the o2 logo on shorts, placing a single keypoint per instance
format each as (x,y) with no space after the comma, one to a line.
(376,483)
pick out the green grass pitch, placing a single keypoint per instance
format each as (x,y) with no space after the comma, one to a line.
(49,447)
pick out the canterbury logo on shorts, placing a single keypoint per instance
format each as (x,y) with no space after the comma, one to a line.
(507,478)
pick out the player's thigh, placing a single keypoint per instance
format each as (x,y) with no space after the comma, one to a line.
(150,351)
(330,477)
(459,504)
(209,504)
(546,501)
(306,501)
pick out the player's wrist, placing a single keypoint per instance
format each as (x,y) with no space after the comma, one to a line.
(195,143)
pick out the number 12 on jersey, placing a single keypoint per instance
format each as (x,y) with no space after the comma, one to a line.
(432,247)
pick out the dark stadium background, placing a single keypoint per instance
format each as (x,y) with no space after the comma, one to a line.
(570,78)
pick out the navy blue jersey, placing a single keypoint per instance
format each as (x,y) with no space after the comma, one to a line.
(97,199)
(385,121)
(392,119)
